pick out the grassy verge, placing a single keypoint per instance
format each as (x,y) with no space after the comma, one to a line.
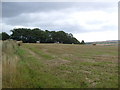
(9,63)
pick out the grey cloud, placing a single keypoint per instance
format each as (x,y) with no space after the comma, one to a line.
(45,24)
(23,14)
(67,28)
(11,9)
(20,20)
(109,27)
(49,23)
(75,29)
(35,19)
(95,22)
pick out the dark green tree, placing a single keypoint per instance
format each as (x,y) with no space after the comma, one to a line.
(4,36)
(36,34)
(82,42)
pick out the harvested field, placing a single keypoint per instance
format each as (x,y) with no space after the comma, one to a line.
(59,66)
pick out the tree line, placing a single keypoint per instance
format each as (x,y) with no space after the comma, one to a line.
(43,36)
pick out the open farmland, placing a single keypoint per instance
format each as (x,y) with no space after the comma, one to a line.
(59,66)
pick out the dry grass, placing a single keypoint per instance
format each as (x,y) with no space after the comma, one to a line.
(60,66)
(9,62)
(0,64)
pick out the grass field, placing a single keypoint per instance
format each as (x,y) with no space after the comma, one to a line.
(59,66)
(0,65)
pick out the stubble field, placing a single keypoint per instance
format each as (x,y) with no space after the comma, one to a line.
(59,66)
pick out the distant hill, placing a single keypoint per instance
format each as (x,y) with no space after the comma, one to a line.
(108,42)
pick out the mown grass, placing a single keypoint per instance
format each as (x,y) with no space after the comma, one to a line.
(59,66)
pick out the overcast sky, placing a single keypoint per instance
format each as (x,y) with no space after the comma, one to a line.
(89,21)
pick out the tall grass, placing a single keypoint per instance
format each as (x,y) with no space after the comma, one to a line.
(9,62)
(0,64)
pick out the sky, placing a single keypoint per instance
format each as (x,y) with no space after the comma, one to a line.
(88,21)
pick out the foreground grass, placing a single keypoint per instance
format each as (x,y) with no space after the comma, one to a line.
(0,65)
(60,66)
